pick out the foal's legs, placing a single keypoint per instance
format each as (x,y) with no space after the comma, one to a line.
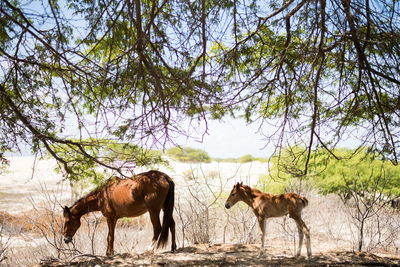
(302,227)
(111,221)
(301,236)
(261,222)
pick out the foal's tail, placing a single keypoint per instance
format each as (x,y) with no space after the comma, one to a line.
(168,220)
(304,201)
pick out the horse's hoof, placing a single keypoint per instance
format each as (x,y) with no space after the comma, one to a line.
(173,249)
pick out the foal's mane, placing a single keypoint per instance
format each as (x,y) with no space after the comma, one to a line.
(252,192)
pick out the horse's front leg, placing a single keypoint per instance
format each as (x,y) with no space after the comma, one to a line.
(262,223)
(111,221)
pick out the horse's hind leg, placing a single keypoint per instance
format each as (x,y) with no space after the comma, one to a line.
(173,242)
(155,221)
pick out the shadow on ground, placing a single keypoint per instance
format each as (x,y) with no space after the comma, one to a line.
(228,255)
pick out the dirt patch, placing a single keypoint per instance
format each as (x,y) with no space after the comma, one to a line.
(229,255)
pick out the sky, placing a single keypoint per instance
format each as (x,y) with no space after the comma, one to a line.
(231,138)
(234,138)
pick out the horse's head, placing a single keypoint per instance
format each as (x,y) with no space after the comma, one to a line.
(235,195)
(71,224)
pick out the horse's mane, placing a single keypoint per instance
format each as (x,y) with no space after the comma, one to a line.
(95,191)
(76,202)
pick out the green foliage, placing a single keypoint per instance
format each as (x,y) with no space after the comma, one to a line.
(246,158)
(267,184)
(4,163)
(250,158)
(243,159)
(363,169)
(135,70)
(127,152)
(159,81)
(82,168)
(188,154)
(86,169)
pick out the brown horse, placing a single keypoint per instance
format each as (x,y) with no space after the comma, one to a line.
(150,191)
(266,205)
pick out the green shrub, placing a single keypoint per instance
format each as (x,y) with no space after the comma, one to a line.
(243,159)
(246,158)
(188,154)
(330,175)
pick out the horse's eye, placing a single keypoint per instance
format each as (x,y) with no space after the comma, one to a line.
(233,194)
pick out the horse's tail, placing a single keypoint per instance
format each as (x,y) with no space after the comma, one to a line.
(304,201)
(168,220)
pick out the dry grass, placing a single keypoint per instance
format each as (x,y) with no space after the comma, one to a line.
(41,221)
(35,236)
(30,221)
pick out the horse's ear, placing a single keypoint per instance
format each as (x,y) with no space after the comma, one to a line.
(66,210)
(241,183)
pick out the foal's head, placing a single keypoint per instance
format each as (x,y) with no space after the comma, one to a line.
(71,224)
(237,194)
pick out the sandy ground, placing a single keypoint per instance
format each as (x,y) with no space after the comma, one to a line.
(230,255)
(28,182)
(28,179)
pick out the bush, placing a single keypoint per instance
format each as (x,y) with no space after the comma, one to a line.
(243,159)
(188,154)
(246,158)
(330,175)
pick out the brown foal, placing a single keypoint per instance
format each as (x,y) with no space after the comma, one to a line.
(150,191)
(266,205)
